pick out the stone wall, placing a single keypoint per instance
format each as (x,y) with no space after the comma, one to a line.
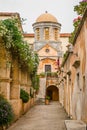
(75,88)
(12,78)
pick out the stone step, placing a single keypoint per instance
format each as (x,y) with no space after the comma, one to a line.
(40,101)
(75,125)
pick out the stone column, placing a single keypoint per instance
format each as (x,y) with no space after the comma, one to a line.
(51,34)
(15,85)
(4,72)
(41,33)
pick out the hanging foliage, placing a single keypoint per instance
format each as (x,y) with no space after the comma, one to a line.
(35,82)
(80,8)
(13,41)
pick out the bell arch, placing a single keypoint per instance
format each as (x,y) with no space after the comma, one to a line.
(53,92)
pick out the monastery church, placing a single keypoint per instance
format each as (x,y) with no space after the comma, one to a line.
(62,69)
(50,45)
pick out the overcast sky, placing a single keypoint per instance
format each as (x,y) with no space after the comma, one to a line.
(31,9)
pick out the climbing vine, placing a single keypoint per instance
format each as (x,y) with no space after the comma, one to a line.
(13,41)
(35,82)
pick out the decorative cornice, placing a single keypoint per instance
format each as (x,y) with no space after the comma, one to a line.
(9,14)
(28,35)
(15,81)
(5,79)
(65,34)
(32,35)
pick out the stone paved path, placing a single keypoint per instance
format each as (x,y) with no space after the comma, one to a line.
(42,117)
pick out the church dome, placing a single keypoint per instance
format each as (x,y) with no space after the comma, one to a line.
(46,17)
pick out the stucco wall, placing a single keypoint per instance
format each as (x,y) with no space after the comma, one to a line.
(75,91)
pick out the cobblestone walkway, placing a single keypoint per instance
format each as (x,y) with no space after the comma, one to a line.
(42,117)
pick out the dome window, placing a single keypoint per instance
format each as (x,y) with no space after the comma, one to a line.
(56,34)
(47,50)
(46,33)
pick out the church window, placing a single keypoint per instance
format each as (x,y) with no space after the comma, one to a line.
(46,33)
(56,33)
(47,50)
(38,34)
(78,79)
(47,68)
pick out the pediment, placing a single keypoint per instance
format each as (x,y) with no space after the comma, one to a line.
(47,46)
(47,50)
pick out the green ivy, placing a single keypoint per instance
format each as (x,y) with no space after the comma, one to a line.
(13,41)
(35,82)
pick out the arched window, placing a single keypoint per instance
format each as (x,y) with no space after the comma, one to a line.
(46,33)
(38,34)
(55,33)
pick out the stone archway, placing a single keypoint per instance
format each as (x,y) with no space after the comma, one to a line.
(53,92)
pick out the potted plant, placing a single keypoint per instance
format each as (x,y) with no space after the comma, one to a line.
(42,75)
(47,99)
(24,96)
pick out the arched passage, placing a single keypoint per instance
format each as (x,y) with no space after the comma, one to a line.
(53,92)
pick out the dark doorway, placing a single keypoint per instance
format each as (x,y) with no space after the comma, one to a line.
(53,93)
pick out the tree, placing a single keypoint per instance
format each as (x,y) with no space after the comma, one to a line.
(79,9)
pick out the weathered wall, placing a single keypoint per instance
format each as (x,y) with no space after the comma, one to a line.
(12,78)
(75,101)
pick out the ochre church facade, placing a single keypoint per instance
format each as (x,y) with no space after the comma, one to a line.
(50,45)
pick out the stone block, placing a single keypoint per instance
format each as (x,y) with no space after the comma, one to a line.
(15,91)
(17,107)
(31,102)
(75,125)
(26,106)
(5,89)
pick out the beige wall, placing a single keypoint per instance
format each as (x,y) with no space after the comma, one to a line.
(64,43)
(53,52)
(4,17)
(30,40)
(75,101)
(47,59)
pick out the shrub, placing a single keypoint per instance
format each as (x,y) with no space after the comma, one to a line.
(24,96)
(6,112)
